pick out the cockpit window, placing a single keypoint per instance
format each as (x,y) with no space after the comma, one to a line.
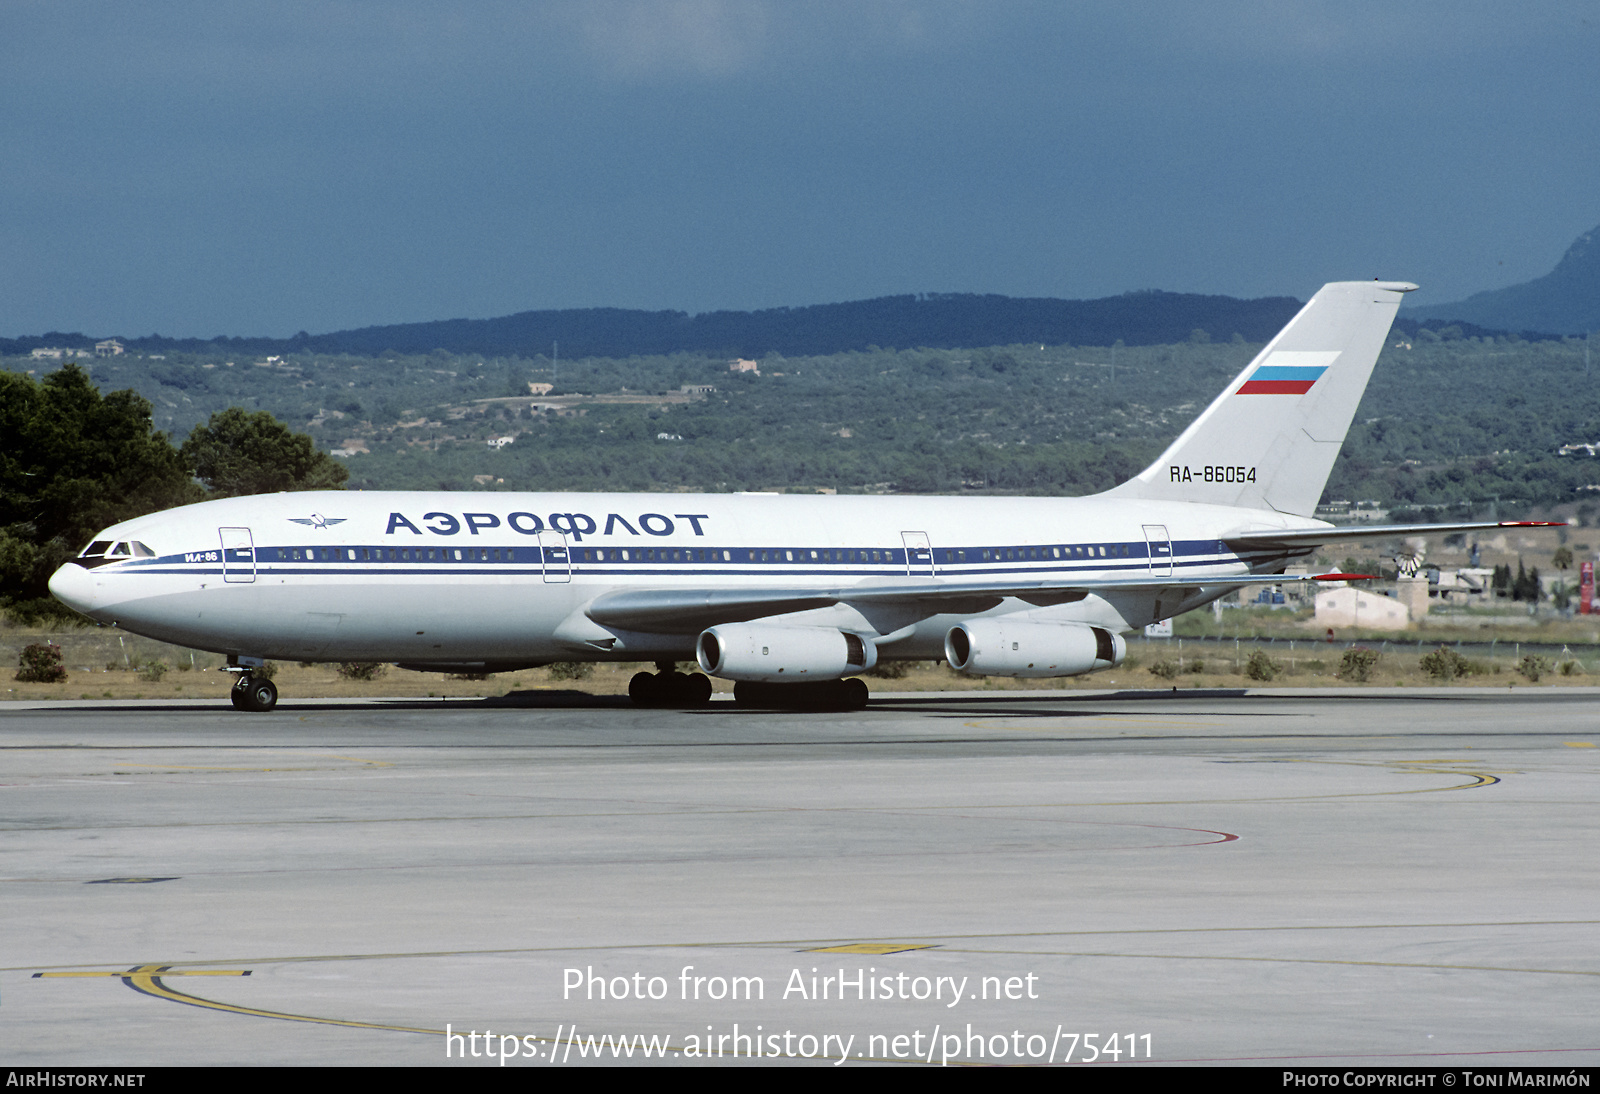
(141,551)
(120,550)
(98,547)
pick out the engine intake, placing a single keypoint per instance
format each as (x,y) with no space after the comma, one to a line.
(1017,647)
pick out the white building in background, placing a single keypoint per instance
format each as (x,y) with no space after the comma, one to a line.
(1352,607)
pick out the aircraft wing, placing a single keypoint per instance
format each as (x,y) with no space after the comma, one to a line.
(689,611)
(1314,537)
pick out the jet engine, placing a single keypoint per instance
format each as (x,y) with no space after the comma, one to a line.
(1019,647)
(777,654)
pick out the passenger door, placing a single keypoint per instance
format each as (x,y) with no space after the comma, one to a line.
(238,555)
(919,554)
(1160,549)
(557,558)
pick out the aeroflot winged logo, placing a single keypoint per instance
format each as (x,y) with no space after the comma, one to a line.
(317,520)
(1288,372)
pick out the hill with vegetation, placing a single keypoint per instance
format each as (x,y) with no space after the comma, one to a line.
(937,320)
(1451,422)
(1564,301)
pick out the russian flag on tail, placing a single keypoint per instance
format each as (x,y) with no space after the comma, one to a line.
(1288,372)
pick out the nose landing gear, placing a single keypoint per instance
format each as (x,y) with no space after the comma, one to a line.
(255,695)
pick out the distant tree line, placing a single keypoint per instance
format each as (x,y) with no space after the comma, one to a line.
(929,320)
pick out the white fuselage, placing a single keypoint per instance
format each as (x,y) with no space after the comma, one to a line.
(504,578)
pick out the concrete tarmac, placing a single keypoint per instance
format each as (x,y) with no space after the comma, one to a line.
(1283,878)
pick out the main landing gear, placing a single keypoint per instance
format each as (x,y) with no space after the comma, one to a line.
(252,694)
(667,687)
(848,694)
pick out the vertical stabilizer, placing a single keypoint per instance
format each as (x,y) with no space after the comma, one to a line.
(1270,439)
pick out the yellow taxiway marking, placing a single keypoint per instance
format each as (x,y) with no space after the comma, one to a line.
(124,974)
(942,942)
(1579,744)
(147,979)
(875,948)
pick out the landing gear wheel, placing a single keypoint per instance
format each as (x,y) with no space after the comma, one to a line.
(254,695)
(263,695)
(642,689)
(854,693)
(669,689)
(849,694)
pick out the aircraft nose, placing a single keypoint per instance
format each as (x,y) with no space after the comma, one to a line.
(74,587)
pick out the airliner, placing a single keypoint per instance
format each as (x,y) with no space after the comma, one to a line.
(791,597)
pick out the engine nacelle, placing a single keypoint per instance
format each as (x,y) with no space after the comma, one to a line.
(775,654)
(1019,647)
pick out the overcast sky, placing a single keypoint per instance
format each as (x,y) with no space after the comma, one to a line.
(262,168)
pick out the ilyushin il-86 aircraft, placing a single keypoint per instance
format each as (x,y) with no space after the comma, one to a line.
(792,597)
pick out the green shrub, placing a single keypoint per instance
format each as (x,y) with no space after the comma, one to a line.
(889,670)
(1358,664)
(1196,667)
(1444,664)
(1167,670)
(1533,667)
(153,671)
(571,670)
(40,663)
(1570,668)
(1258,666)
(360,670)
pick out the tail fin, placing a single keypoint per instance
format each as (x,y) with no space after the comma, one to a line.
(1270,439)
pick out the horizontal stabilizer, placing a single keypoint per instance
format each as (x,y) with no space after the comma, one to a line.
(1314,537)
